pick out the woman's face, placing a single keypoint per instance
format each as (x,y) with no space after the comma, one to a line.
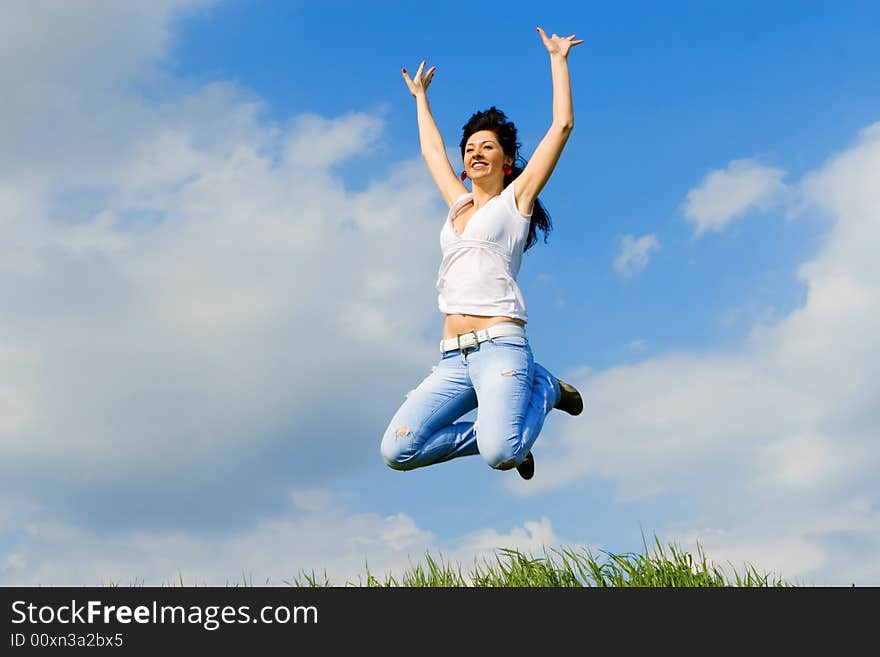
(483,156)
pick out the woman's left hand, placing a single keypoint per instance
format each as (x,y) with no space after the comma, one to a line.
(557,45)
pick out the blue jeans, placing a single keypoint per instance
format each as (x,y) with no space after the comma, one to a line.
(513,395)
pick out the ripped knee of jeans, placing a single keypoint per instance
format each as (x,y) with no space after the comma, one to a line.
(396,449)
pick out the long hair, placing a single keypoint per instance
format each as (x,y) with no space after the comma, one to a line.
(494,119)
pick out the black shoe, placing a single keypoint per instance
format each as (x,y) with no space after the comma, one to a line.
(526,469)
(570,401)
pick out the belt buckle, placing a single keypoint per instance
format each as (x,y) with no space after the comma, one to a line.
(476,340)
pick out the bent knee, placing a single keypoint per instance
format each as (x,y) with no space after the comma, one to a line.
(500,458)
(396,450)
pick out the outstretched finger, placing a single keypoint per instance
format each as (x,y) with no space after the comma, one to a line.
(542,33)
(577,43)
(409,83)
(419,72)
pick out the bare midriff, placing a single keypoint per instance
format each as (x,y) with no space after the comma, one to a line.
(456,324)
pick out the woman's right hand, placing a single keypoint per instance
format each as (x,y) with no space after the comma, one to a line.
(419,82)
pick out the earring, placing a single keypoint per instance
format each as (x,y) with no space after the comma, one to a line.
(463,176)
(507,169)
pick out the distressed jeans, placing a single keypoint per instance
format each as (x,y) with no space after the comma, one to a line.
(499,377)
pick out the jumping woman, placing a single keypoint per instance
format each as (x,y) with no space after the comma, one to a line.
(486,361)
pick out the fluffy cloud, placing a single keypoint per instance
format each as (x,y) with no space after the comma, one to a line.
(635,253)
(312,536)
(63,69)
(775,445)
(727,194)
(190,293)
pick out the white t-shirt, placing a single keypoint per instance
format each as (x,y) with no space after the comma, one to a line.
(479,267)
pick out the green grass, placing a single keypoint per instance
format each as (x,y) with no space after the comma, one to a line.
(664,566)
(669,566)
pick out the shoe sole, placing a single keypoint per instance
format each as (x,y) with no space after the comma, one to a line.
(526,469)
(574,405)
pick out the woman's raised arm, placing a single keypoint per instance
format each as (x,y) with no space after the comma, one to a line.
(537,172)
(433,149)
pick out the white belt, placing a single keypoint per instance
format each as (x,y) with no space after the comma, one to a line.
(471,339)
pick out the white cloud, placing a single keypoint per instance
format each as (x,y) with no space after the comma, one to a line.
(206,324)
(635,253)
(175,275)
(313,535)
(834,546)
(531,538)
(771,439)
(319,142)
(63,66)
(727,194)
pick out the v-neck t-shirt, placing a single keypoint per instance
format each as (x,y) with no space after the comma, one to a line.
(479,267)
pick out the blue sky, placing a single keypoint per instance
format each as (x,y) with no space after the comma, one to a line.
(218,246)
